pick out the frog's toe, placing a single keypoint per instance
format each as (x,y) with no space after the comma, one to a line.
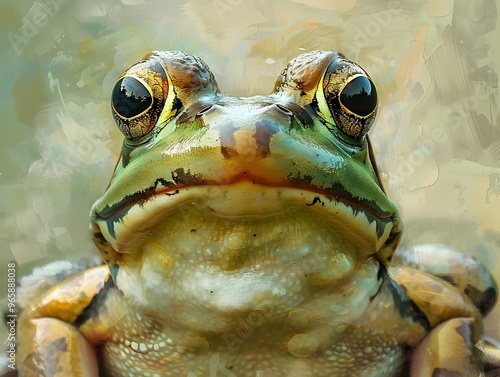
(490,354)
(448,350)
(57,349)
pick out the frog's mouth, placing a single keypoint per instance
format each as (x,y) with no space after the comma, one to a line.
(127,226)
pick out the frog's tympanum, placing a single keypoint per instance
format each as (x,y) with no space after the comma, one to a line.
(252,237)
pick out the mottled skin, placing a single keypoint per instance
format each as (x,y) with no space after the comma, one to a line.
(252,237)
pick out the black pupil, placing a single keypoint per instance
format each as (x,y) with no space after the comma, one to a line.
(359,96)
(130,97)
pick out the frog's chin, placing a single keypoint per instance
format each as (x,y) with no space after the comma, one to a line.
(240,248)
(207,299)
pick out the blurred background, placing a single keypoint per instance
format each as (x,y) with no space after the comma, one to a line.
(435,63)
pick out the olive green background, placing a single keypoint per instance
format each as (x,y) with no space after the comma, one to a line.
(435,63)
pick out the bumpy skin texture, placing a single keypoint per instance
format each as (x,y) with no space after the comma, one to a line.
(252,237)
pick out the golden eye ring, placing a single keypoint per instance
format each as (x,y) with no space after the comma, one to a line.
(350,98)
(138,98)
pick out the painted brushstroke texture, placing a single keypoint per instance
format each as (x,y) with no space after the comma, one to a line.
(435,63)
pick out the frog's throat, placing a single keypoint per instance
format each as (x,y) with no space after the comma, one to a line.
(243,202)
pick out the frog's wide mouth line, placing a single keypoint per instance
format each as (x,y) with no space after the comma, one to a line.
(241,202)
(119,209)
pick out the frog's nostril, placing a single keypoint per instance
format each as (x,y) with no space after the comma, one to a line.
(284,110)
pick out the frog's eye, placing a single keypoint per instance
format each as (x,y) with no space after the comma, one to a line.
(351,97)
(138,98)
(359,96)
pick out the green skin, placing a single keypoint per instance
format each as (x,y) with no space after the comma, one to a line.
(252,236)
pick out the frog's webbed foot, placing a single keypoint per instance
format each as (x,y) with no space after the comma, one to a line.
(453,340)
(470,277)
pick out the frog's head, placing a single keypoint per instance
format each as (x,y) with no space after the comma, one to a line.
(266,195)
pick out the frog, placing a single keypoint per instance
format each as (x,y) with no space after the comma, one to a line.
(252,236)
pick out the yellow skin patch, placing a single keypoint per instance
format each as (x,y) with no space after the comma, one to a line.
(67,301)
(252,237)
